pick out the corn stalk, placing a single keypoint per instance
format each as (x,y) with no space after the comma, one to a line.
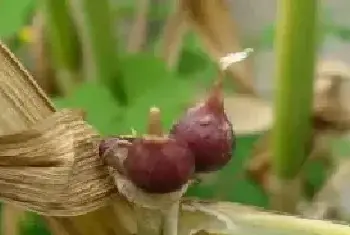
(294,92)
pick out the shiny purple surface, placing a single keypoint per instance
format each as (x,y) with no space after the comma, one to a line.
(159,167)
(209,135)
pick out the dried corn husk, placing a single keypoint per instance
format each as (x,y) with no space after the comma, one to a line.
(24,107)
(333,105)
(332,202)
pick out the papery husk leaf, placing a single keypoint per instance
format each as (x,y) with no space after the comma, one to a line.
(333,68)
(331,93)
(213,22)
(235,219)
(23,105)
(242,111)
(18,88)
(332,202)
(11,220)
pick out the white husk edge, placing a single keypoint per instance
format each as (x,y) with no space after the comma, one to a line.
(147,200)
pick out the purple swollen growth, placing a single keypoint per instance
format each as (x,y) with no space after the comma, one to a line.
(157,163)
(106,144)
(110,149)
(112,141)
(205,128)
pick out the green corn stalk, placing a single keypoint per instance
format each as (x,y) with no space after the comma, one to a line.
(296,43)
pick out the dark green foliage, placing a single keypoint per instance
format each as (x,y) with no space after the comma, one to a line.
(14,14)
(148,83)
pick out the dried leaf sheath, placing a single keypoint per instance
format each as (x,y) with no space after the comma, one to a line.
(23,105)
(23,102)
(43,70)
(57,151)
(17,91)
(138,33)
(54,170)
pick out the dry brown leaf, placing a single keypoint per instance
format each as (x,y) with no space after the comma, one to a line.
(174,30)
(213,22)
(333,199)
(17,88)
(211,217)
(42,70)
(23,105)
(11,219)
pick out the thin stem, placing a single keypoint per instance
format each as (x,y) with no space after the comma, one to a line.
(43,71)
(157,222)
(170,220)
(154,122)
(11,218)
(138,32)
(94,22)
(149,222)
(216,98)
(296,53)
(64,44)
(173,32)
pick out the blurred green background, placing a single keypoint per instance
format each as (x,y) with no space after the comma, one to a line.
(145,79)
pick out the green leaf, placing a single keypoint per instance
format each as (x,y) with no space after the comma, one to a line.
(148,83)
(193,42)
(14,14)
(128,11)
(267,37)
(33,224)
(193,56)
(340,146)
(192,62)
(170,96)
(104,114)
(342,32)
(141,72)
(99,104)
